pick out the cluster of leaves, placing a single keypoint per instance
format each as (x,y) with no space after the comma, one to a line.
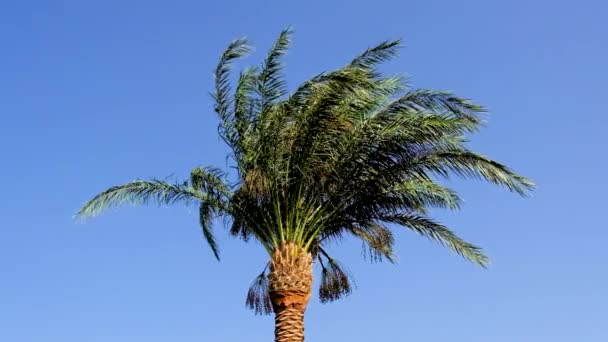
(350,152)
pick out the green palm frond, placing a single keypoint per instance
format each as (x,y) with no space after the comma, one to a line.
(222,94)
(271,85)
(376,55)
(206,189)
(440,233)
(425,192)
(244,103)
(469,164)
(440,102)
(141,192)
(205,215)
(210,180)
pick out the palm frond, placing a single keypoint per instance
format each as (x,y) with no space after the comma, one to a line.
(440,233)
(222,96)
(210,180)
(258,298)
(440,101)
(376,55)
(142,192)
(425,192)
(271,85)
(322,115)
(205,216)
(377,241)
(244,104)
(469,164)
(335,282)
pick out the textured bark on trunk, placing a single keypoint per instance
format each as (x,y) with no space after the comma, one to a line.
(290,285)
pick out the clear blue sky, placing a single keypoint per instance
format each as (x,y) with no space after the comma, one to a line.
(98,93)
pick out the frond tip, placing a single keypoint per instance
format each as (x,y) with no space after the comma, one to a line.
(473,165)
(376,55)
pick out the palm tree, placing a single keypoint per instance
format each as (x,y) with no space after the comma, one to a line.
(348,153)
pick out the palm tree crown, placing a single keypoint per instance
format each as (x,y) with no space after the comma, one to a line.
(350,152)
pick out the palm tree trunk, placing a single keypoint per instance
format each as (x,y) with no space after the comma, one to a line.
(290,285)
(289,324)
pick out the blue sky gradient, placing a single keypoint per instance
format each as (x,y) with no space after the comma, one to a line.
(95,94)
